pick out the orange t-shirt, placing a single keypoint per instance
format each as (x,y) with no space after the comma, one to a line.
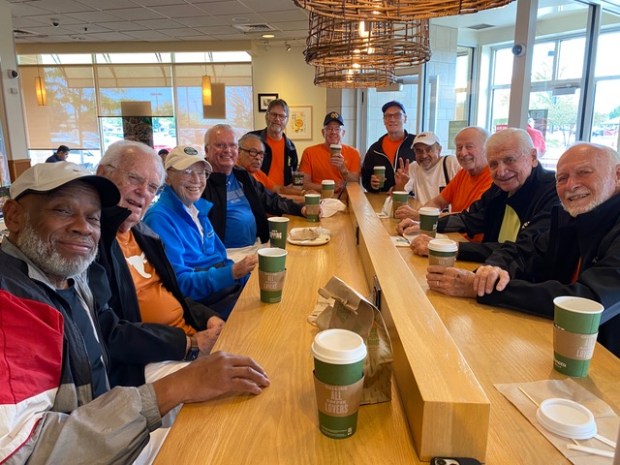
(464,189)
(390,147)
(261,177)
(276,170)
(157,304)
(315,162)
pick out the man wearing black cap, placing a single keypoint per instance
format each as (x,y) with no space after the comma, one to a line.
(59,335)
(389,149)
(331,159)
(61,154)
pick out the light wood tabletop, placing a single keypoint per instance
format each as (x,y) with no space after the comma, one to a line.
(280,426)
(488,345)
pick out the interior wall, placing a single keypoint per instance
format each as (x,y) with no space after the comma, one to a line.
(286,73)
(12,113)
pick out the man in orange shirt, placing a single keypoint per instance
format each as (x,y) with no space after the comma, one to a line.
(467,185)
(319,163)
(396,145)
(280,153)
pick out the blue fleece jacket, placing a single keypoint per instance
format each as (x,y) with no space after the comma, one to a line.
(200,263)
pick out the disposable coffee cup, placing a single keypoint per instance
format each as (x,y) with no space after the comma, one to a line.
(399,198)
(313,206)
(575,328)
(327,188)
(338,380)
(271,273)
(298,178)
(335,149)
(442,252)
(278,229)
(379,172)
(428,220)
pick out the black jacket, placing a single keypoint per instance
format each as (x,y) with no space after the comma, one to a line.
(164,342)
(375,157)
(542,266)
(262,201)
(536,197)
(290,156)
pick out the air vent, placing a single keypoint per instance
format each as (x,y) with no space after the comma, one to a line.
(252,28)
(478,27)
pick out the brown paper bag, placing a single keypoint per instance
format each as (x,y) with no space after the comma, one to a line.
(343,307)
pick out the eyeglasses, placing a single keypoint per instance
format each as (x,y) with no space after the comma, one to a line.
(253,153)
(137,180)
(336,129)
(277,115)
(389,116)
(221,146)
(190,172)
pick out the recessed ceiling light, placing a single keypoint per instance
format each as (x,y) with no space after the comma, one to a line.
(268,36)
(240,19)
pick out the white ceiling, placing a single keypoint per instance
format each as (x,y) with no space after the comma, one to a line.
(179,20)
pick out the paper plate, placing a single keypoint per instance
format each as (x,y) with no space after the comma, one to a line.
(321,240)
(566,418)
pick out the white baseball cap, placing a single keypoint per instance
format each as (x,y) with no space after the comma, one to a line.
(183,156)
(46,177)
(426,138)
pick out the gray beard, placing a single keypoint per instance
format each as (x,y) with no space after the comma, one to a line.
(43,255)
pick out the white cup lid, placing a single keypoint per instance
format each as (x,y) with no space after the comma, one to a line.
(338,346)
(429,211)
(328,182)
(566,418)
(443,245)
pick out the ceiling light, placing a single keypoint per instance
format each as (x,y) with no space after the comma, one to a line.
(268,36)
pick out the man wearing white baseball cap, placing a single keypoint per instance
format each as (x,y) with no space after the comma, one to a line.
(61,408)
(196,253)
(430,173)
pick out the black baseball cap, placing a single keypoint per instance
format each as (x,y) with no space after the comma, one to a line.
(333,116)
(393,103)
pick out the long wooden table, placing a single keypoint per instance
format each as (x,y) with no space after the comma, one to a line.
(486,345)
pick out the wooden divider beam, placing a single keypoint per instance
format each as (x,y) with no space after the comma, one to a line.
(447,409)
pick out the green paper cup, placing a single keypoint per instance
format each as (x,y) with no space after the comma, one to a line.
(575,328)
(327,188)
(298,178)
(271,273)
(278,229)
(335,149)
(338,380)
(313,206)
(442,252)
(379,171)
(428,220)
(399,198)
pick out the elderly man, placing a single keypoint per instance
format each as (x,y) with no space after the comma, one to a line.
(392,147)
(280,152)
(144,283)
(241,204)
(521,189)
(579,255)
(55,306)
(198,256)
(319,162)
(251,156)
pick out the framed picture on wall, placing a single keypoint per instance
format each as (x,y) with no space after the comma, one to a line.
(264,100)
(299,125)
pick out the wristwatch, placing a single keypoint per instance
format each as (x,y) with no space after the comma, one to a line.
(194,350)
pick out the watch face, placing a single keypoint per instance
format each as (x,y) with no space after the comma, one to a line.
(192,354)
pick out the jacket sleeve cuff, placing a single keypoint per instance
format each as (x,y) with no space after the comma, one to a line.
(150,408)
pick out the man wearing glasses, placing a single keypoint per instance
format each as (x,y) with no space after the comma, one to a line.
(280,153)
(144,285)
(241,203)
(331,159)
(392,147)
